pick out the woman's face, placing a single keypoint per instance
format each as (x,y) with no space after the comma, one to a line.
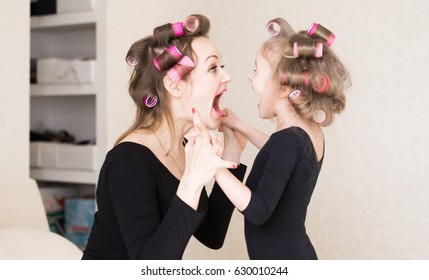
(208,81)
(261,80)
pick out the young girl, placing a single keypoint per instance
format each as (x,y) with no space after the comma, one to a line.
(300,82)
(149,201)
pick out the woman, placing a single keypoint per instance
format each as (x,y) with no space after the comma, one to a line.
(150,199)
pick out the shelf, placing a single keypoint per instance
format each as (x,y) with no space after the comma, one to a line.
(41,90)
(63,175)
(70,21)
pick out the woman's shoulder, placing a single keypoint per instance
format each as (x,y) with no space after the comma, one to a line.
(129,151)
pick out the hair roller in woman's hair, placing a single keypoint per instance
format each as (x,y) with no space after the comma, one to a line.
(319,116)
(273,28)
(132,61)
(178,29)
(175,74)
(172,50)
(150,101)
(320,84)
(191,23)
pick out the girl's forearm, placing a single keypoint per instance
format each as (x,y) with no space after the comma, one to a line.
(233,188)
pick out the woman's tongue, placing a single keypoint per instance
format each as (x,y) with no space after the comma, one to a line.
(216,108)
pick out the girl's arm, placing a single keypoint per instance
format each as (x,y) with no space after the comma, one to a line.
(256,137)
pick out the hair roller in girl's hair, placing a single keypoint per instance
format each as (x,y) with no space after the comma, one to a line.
(319,50)
(295,94)
(319,116)
(330,37)
(320,83)
(273,28)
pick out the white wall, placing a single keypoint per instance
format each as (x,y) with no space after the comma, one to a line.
(371,201)
(14,88)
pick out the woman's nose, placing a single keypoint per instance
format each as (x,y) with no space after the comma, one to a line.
(226,77)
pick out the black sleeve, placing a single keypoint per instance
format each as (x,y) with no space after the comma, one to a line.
(281,161)
(213,230)
(146,234)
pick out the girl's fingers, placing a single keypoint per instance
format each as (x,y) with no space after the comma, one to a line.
(228,164)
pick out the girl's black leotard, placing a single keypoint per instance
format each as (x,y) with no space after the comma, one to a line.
(282,181)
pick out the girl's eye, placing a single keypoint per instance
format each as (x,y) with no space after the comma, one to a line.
(222,66)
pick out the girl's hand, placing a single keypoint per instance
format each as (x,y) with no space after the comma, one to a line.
(234,144)
(229,119)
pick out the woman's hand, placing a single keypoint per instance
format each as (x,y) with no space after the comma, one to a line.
(203,152)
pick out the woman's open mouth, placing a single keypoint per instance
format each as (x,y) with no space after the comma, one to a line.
(216,101)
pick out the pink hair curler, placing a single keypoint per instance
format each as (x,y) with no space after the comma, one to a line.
(191,23)
(273,28)
(295,49)
(132,61)
(312,28)
(319,50)
(150,101)
(330,40)
(321,84)
(174,51)
(319,116)
(306,78)
(174,73)
(155,62)
(178,29)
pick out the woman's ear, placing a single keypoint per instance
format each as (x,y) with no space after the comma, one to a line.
(172,87)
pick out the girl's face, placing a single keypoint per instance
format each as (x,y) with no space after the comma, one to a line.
(208,81)
(261,80)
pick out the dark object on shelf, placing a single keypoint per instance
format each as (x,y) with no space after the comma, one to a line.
(33,71)
(43,7)
(49,136)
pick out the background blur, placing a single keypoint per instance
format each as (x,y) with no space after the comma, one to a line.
(372,198)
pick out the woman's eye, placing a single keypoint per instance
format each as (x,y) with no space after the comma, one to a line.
(213,68)
(222,66)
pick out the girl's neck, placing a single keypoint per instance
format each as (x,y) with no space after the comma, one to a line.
(287,120)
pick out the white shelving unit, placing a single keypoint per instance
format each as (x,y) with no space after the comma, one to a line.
(76,108)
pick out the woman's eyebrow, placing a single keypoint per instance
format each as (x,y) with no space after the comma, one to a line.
(210,56)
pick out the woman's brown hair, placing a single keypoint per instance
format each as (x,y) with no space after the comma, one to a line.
(146,80)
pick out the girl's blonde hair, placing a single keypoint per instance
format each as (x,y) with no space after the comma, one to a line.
(305,62)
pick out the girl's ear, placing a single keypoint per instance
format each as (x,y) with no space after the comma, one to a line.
(285,91)
(172,87)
